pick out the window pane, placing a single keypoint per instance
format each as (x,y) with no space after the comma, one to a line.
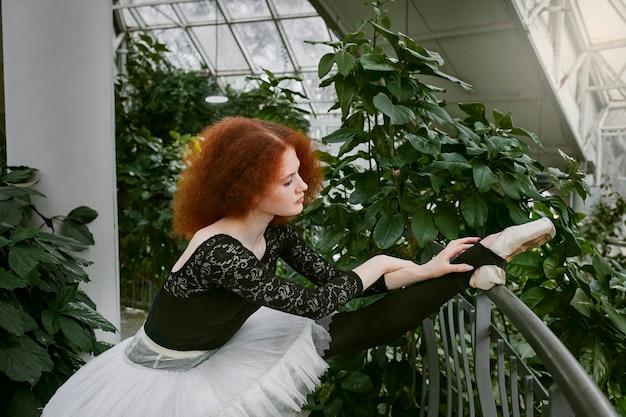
(229,55)
(200,11)
(290,7)
(264,46)
(248,9)
(306,29)
(182,52)
(158,15)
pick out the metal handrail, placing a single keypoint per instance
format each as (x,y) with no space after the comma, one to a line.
(581,392)
(459,364)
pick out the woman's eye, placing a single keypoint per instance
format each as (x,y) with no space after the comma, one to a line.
(288,183)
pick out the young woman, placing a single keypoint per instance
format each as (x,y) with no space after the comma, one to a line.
(227,337)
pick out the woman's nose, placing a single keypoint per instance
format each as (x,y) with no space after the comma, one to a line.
(303,185)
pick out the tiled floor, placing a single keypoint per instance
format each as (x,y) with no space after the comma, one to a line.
(131,321)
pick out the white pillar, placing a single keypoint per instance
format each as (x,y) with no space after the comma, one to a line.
(58,69)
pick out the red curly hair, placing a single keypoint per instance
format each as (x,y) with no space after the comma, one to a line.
(233,164)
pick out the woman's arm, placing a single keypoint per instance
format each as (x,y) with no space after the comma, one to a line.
(410,273)
(397,272)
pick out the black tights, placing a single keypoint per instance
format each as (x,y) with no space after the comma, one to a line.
(403,310)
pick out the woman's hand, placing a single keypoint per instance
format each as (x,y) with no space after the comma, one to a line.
(436,267)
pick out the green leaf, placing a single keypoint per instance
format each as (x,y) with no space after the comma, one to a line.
(475,211)
(24,403)
(345,94)
(553,268)
(510,186)
(581,303)
(423,144)
(357,382)
(60,242)
(388,230)
(436,113)
(21,260)
(595,358)
(10,213)
(447,220)
(77,334)
(325,65)
(83,214)
(603,271)
(523,132)
(87,315)
(333,405)
(18,176)
(475,110)
(23,233)
(21,359)
(342,135)
(24,258)
(618,319)
(398,114)
(51,321)
(464,85)
(527,264)
(403,88)
(365,187)
(423,227)
(484,178)
(10,281)
(515,212)
(376,62)
(535,296)
(344,61)
(78,231)
(11,319)
(452,162)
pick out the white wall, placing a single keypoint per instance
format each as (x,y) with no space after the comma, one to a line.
(58,69)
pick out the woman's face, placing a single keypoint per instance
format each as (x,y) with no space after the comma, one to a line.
(285,198)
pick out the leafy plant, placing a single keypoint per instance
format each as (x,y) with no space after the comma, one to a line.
(46,321)
(606,223)
(406,174)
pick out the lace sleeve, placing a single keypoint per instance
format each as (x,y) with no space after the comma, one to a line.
(233,267)
(308,263)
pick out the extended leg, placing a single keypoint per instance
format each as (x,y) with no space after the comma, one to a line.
(403,310)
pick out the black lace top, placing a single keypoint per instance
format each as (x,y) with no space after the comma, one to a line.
(203,304)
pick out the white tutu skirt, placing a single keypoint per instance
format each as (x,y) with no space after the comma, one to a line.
(266,369)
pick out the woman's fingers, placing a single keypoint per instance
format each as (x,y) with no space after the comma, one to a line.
(453,249)
(458,246)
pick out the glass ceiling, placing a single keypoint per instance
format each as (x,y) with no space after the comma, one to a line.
(235,39)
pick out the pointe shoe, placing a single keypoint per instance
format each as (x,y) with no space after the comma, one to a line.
(487,276)
(511,242)
(516,239)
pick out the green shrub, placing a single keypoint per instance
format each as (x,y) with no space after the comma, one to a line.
(47,322)
(407,174)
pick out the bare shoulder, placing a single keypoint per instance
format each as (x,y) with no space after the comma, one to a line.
(198,239)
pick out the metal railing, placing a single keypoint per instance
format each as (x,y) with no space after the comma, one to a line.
(472,369)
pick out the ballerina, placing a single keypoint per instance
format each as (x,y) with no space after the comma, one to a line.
(225,335)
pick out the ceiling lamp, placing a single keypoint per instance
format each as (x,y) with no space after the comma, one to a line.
(216,99)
